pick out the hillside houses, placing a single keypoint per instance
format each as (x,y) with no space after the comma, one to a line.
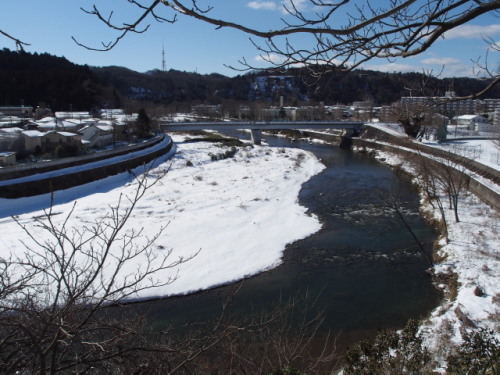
(65,134)
(39,142)
(70,133)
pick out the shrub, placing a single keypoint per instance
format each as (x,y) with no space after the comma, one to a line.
(390,353)
(478,354)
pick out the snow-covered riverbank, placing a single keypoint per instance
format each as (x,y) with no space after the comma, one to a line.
(238,213)
(472,261)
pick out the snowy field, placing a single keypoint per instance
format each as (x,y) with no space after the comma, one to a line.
(483,151)
(237,215)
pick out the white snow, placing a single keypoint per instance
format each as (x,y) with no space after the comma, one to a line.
(483,151)
(238,213)
(11,130)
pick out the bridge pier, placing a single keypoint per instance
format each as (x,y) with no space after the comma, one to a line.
(256,135)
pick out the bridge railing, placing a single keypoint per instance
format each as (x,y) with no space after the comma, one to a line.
(261,125)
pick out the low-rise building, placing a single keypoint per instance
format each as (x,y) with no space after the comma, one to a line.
(470,122)
(60,137)
(100,135)
(57,124)
(17,111)
(11,140)
(496,118)
(7,158)
(33,141)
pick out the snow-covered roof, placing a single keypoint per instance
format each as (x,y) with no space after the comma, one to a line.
(8,120)
(6,153)
(11,130)
(101,126)
(57,124)
(105,123)
(467,117)
(74,115)
(33,133)
(105,128)
(46,119)
(67,134)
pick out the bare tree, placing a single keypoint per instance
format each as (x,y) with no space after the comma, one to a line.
(429,181)
(445,176)
(345,34)
(285,339)
(64,306)
(414,118)
(54,310)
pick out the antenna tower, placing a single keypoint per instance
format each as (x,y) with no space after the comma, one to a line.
(163,63)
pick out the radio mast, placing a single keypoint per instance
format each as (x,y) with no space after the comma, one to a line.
(163,63)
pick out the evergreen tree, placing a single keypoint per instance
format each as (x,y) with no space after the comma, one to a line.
(143,127)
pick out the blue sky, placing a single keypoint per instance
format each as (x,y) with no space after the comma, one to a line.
(191,45)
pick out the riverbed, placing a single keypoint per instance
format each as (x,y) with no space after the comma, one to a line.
(363,266)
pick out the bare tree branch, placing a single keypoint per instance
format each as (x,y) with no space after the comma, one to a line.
(19,43)
(343,34)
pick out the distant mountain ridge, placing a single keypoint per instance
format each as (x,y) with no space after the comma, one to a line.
(32,79)
(295,85)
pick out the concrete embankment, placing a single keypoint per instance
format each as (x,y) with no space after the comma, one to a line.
(44,178)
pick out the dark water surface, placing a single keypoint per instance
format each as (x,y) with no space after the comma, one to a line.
(364,265)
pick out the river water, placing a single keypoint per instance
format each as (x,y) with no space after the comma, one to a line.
(363,265)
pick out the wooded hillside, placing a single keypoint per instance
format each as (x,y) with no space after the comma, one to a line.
(36,79)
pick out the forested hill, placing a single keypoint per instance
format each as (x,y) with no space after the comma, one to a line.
(33,79)
(295,85)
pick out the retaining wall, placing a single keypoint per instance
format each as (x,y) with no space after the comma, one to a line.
(67,180)
(42,167)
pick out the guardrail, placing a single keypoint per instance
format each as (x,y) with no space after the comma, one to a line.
(259,125)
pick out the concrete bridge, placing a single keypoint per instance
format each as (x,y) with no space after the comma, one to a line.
(256,127)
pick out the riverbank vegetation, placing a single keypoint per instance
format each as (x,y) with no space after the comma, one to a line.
(466,266)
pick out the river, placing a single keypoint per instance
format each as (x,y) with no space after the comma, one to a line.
(363,265)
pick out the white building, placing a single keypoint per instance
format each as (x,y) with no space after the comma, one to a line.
(73,115)
(100,135)
(496,118)
(33,140)
(471,122)
(111,113)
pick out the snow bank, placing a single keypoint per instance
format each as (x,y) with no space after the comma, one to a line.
(239,213)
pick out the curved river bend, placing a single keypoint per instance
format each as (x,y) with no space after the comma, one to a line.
(363,264)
